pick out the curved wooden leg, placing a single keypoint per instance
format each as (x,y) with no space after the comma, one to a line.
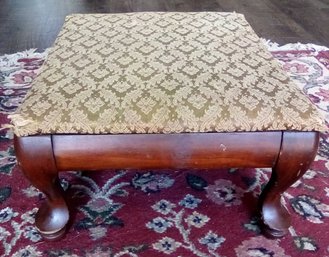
(35,156)
(297,152)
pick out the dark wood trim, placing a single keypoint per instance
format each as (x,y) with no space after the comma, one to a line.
(186,150)
(297,152)
(35,157)
(288,153)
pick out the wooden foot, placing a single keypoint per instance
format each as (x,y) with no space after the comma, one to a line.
(35,156)
(297,152)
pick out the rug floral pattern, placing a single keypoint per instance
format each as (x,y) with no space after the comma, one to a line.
(166,212)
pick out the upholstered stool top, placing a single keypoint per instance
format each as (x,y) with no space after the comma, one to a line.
(161,73)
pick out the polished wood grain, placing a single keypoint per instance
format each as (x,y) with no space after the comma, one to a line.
(35,157)
(35,23)
(297,152)
(288,153)
(156,151)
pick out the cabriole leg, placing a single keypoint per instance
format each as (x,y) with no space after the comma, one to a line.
(297,152)
(35,157)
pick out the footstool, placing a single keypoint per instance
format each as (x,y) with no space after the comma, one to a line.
(163,90)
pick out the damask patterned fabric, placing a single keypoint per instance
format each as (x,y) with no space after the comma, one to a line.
(161,73)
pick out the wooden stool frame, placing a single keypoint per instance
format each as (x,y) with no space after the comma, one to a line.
(288,153)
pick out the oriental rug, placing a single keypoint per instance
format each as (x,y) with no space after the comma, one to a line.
(166,212)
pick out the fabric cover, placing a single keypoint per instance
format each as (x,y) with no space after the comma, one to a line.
(161,73)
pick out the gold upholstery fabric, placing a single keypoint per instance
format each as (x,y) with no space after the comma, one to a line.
(161,73)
